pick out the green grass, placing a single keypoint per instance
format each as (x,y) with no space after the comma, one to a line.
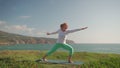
(26,58)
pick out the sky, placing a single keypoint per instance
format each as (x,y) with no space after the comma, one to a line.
(36,17)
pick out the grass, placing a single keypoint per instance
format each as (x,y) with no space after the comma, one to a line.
(26,58)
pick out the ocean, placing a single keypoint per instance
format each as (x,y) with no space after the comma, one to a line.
(98,48)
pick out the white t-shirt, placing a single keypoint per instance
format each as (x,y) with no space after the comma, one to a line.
(62,35)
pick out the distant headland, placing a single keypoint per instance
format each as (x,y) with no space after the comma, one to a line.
(13,39)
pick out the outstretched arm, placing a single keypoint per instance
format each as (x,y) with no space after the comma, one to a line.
(84,28)
(75,30)
(52,33)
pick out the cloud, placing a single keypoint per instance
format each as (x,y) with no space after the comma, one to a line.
(40,32)
(19,28)
(25,17)
(2,23)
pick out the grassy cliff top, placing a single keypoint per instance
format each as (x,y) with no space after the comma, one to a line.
(26,59)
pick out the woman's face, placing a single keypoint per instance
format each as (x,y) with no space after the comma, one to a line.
(64,28)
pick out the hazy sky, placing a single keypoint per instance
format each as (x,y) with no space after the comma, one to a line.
(35,17)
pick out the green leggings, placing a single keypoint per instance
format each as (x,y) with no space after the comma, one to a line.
(61,45)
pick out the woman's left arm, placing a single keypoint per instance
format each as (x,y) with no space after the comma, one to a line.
(75,30)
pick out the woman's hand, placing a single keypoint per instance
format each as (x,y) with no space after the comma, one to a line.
(84,28)
(48,33)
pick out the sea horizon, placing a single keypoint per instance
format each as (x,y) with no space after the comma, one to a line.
(97,48)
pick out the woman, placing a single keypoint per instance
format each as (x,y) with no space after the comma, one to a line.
(61,41)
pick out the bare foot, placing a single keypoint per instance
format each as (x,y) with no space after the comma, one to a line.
(44,59)
(39,60)
(70,61)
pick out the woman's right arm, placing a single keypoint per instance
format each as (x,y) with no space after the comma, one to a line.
(52,32)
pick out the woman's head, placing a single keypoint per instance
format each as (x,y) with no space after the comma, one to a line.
(64,26)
